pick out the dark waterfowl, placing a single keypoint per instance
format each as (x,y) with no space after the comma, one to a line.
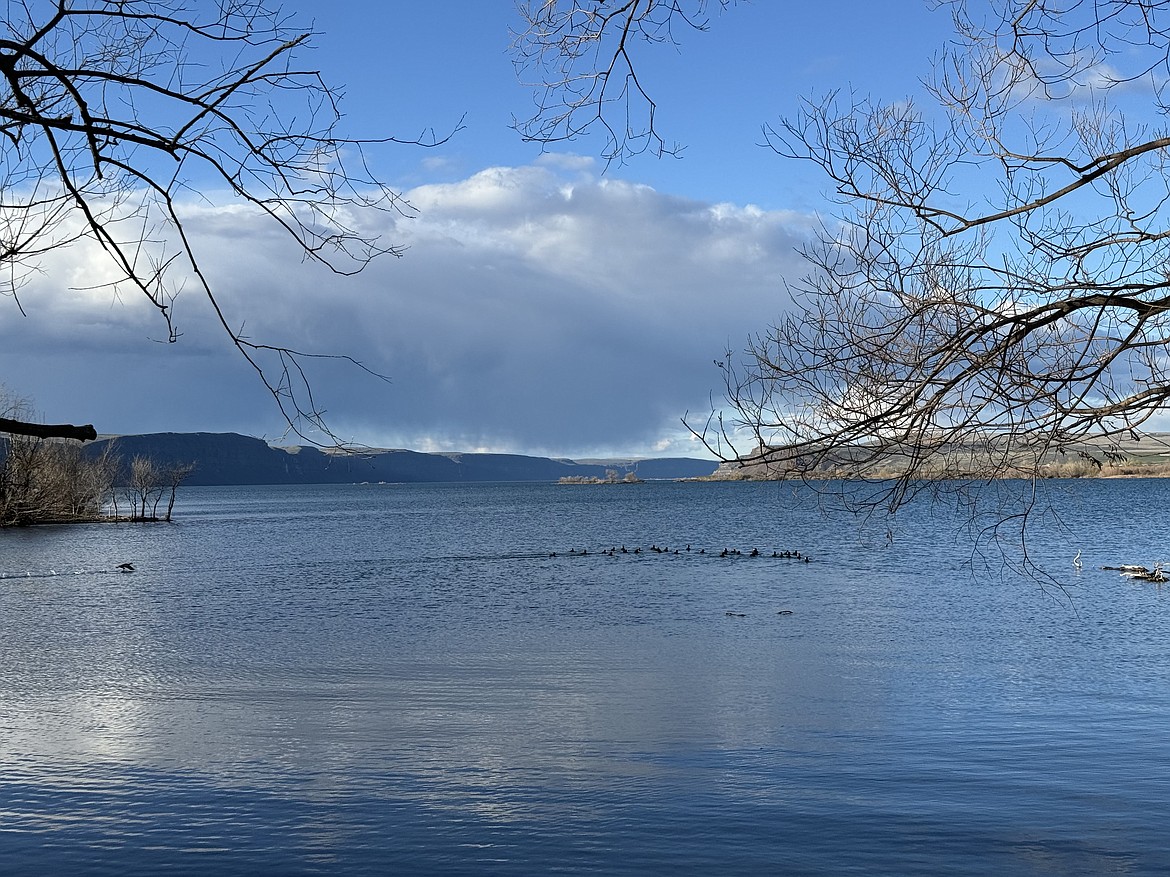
(126,567)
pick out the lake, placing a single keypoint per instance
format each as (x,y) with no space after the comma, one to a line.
(385,679)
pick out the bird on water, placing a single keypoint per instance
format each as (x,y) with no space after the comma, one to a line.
(126,567)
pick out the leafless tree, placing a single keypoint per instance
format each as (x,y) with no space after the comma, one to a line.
(113,111)
(992,287)
(48,480)
(175,475)
(94,478)
(144,485)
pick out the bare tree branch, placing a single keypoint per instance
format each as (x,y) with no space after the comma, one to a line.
(110,109)
(45,430)
(580,58)
(994,291)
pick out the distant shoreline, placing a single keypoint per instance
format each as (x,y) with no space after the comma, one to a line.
(233,459)
(1147,457)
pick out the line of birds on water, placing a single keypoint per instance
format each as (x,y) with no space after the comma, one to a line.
(615,550)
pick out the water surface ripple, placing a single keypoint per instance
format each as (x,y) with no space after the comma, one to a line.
(381,679)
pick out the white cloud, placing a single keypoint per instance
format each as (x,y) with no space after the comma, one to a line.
(538,309)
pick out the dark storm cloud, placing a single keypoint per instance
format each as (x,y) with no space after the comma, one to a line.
(537,309)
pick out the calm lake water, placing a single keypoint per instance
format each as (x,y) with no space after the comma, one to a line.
(389,679)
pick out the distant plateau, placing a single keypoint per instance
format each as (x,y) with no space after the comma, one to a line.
(229,458)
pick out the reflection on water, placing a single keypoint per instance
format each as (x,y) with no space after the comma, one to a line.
(371,679)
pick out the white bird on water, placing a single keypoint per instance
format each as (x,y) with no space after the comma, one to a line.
(1077,560)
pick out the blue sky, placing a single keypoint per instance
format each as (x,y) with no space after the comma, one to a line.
(426,65)
(546,304)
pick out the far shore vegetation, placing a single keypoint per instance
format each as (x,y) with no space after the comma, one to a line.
(53,481)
